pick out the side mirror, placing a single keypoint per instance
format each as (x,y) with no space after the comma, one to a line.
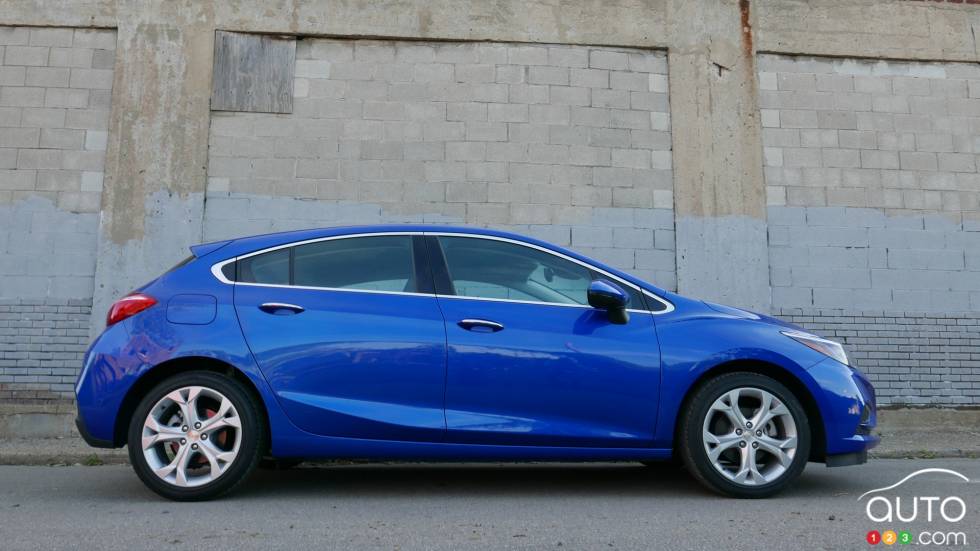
(605,295)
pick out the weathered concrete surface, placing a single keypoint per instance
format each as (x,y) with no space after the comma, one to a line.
(719,193)
(158,129)
(50,420)
(152,206)
(863,28)
(638,23)
(156,160)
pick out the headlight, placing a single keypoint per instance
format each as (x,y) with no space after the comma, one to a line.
(823,346)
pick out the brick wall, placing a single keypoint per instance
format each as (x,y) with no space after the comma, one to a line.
(570,144)
(55,86)
(912,358)
(872,180)
(41,347)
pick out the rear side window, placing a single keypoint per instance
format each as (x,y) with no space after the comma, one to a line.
(379,263)
(271,268)
(375,263)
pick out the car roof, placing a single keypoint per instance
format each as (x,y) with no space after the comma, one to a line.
(224,250)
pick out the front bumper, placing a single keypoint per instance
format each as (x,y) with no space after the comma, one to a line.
(848,459)
(847,404)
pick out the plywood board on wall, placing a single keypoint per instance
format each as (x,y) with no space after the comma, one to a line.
(253,73)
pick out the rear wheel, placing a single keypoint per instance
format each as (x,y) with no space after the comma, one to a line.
(195,436)
(744,435)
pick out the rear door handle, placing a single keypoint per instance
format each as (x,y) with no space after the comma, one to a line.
(281,308)
(480,326)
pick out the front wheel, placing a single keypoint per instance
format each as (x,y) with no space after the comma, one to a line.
(744,435)
(195,436)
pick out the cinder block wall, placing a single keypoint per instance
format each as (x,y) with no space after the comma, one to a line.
(55,86)
(514,118)
(568,144)
(874,214)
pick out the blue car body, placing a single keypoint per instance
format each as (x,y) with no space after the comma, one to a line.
(392,375)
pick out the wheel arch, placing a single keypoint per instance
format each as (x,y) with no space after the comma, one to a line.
(169,368)
(779,373)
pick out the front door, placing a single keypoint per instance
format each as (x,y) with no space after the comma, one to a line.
(529,362)
(349,336)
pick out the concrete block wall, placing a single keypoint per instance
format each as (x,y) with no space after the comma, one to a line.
(872,183)
(569,144)
(847,234)
(55,88)
(873,196)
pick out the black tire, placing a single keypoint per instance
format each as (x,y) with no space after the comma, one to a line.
(251,449)
(692,448)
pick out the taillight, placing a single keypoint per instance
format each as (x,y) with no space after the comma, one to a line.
(128,306)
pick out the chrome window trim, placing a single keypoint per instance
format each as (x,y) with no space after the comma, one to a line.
(669,306)
(220,276)
(217,273)
(536,302)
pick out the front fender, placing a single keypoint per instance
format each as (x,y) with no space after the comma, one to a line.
(695,344)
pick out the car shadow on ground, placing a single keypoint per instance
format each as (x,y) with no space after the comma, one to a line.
(665,481)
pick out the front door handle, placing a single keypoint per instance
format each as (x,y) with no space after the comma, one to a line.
(480,326)
(281,308)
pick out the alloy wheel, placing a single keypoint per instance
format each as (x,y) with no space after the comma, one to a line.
(750,436)
(191,436)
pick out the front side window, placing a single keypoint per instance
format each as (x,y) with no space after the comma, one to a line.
(374,263)
(486,268)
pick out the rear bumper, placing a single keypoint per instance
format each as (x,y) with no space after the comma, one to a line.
(89,439)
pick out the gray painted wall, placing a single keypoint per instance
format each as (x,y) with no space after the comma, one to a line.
(55,87)
(54,110)
(872,183)
(874,215)
(569,144)
(870,166)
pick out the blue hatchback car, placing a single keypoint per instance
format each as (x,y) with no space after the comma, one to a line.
(458,344)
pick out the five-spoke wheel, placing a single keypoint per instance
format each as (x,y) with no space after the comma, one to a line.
(191,436)
(744,435)
(196,436)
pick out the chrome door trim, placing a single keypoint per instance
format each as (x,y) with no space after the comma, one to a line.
(220,276)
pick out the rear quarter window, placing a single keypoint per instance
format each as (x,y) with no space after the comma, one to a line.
(271,268)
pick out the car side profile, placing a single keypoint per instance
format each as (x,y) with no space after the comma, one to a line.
(454,344)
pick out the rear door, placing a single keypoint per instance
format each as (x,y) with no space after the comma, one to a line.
(349,335)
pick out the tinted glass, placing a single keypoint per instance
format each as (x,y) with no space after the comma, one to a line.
(382,263)
(486,268)
(271,268)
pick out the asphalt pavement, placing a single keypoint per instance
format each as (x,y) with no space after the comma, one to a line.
(481,506)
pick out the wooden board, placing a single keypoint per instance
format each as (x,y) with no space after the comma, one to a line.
(253,73)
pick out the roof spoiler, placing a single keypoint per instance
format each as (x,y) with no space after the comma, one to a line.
(205,248)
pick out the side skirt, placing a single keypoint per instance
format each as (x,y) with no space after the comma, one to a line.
(328,447)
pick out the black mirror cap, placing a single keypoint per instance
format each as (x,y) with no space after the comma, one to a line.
(608,296)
